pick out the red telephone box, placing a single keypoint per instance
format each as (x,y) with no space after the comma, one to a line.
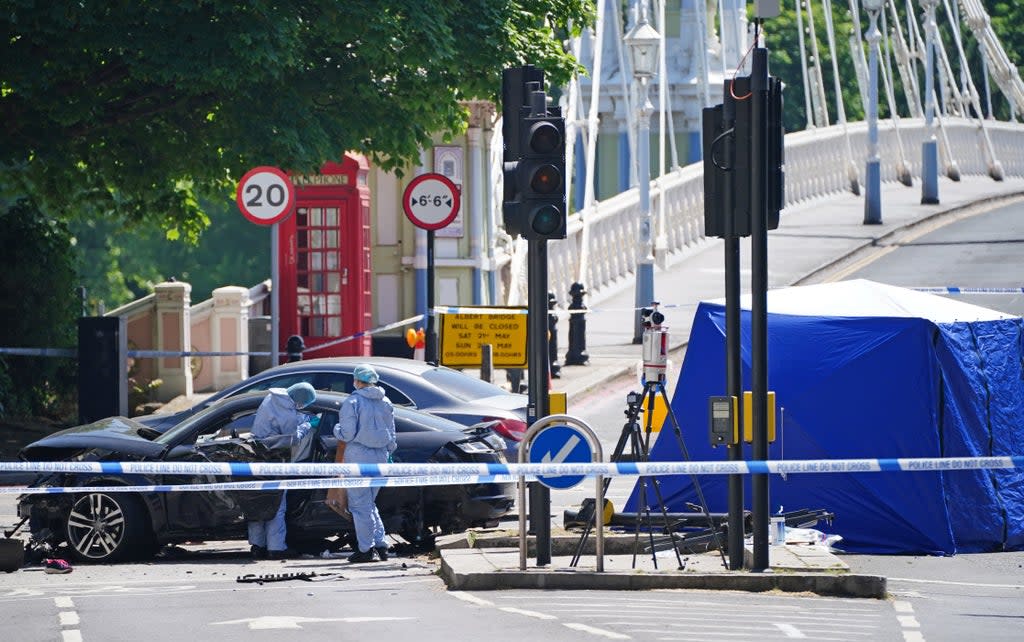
(325,261)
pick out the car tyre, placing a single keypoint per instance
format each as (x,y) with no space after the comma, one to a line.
(106,527)
(421,542)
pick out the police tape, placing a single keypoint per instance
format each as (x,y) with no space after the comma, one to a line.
(607,469)
(442,309)
(956,290)
(365,333)
(281,484)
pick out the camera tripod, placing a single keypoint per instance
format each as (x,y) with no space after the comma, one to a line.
(636,438)
(655,360)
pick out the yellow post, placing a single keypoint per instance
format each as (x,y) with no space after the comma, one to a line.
(748,416)
(557,403)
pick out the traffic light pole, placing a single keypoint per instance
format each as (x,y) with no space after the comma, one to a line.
(733,363)
(534,208)
(537,358)
(759,301)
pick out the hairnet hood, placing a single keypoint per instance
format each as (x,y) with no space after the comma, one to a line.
(366,374)
(302,394)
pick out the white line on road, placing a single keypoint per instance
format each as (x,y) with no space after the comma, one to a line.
(596,631)
(534,614)
(949,583)
(472,599)
(790,630)
(73,635)
(64,602)
(68,618)
(295,622)
(908,621)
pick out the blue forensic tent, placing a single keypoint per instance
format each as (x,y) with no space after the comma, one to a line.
(866,370)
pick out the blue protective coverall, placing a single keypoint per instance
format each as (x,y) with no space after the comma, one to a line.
(277,423)
(367,425)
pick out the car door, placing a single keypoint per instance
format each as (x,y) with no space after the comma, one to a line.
(221,437)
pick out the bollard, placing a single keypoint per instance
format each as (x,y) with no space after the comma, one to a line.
(556,368)
(577,355)
(515,379)
(487,362)
(294,348)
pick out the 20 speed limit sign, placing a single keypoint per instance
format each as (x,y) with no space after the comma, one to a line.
(265,195)
(431,201)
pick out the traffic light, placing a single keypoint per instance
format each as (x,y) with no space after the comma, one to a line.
(728,131)
(533,203)
(516,82)
(540,172)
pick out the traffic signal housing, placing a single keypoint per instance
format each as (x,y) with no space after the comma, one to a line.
(540,174)
(516,85)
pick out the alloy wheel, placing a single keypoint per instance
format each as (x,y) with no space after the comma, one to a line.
(96,526)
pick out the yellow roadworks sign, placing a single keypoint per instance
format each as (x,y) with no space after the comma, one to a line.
(463,335)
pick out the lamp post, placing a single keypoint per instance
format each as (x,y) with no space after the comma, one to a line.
(930,146)
(643,42)
(873,171)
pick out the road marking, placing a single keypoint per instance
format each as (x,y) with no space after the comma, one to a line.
(295,622)
(908,621)
(533,614)
(596,631)
(68,618)
(64,602)
(563,453)
(790,630)
(949,583)
(472,599)
(22,593)
(73,635)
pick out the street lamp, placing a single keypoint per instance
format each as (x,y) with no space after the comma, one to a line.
(930,146)
(873,172)
(643,42)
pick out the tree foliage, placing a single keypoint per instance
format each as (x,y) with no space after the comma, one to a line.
(38,309)
(134,110)
(127,123)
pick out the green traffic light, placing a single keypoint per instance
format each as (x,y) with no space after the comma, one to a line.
(546,220)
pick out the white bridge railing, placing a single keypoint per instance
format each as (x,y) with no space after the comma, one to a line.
(817,164)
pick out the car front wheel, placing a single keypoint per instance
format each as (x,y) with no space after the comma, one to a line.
(105,527)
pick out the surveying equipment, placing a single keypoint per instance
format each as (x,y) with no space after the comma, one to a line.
(655,344)
(655,361)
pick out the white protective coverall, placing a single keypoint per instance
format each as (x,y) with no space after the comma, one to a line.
(278,421)
(367,426)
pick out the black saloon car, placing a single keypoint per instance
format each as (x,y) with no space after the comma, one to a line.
(106,526)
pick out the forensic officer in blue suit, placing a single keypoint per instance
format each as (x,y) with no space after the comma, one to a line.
(367,426)
(279,421)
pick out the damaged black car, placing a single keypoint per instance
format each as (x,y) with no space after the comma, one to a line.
(104,526)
